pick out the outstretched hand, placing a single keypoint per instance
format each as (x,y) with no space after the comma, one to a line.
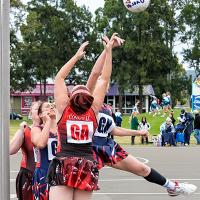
(81,51)
(115,40)
(144,133)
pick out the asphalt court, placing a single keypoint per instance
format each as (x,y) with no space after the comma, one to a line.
(177,163)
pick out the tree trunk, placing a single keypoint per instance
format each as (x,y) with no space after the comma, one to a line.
(40,90)
(140,97)
(45,94)
(121,93)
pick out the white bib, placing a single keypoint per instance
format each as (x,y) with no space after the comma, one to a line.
(36,154)
(105,125)
(52,147)
(79,132)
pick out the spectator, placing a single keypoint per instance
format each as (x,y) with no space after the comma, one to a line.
(154,106)
(180,131)
(197,126)
(135,107)
(167,133)
(165,104)
(144,125)
(170,99)
(134,125)
(171,116)
(187,119)
(118,118)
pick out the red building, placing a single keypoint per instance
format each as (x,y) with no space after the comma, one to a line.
(21,101)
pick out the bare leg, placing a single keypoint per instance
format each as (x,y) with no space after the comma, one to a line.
(133,165)
(61,192)
(82,195)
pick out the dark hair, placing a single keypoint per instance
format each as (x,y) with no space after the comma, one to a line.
(81,103)
(40,110)
(40,107)
(144,119)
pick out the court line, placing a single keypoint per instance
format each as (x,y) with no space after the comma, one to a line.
(140,179)
(12,196)
(107,167)
(136,193)
(137,179)
(14,171)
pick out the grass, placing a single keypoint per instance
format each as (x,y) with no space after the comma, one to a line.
(155,123)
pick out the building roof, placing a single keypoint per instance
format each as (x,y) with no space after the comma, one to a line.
(113,90)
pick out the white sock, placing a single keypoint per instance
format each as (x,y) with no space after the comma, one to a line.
(169,185)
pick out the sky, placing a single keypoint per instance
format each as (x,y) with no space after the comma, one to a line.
(88,3)
(91,4)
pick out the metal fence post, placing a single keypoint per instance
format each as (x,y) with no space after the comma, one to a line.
(4,99)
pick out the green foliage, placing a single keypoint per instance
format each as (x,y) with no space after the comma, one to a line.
(53,31)
(190,20)
(147,57)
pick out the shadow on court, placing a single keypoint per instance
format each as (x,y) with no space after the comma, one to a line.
(177,163)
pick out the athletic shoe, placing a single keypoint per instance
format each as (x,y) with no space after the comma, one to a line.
(185,189)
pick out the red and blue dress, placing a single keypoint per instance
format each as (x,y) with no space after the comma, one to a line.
(43,158)
(106,150)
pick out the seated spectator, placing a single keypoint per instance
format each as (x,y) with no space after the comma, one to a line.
(197,126)
(167,133)
(180,131)
(144,125)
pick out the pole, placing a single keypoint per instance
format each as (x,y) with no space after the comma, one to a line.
(4,99)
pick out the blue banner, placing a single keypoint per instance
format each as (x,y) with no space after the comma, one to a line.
(195,102)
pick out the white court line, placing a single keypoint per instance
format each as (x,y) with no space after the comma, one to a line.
(14,171)
(137,179)
(13,196)
(140,179)
(144,160)
(136,193)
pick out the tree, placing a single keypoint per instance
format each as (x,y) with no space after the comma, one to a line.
(147,56)
(52,33)
(19,79)
(190,20)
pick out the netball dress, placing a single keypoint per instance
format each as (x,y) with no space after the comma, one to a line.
(42,159)
(106,150)
(24,177)
(74,165)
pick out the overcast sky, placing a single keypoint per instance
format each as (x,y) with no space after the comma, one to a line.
(91,4)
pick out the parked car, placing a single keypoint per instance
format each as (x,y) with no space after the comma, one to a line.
(15,116)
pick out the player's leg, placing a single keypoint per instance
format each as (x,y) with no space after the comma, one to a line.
(61,192)
(134,166)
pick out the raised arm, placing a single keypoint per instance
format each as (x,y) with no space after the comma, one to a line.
(102,83)
(128,132)
(98,66)
(18,139)
(39,137)
(60,90)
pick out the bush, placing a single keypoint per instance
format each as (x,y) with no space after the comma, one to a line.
(183,101)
